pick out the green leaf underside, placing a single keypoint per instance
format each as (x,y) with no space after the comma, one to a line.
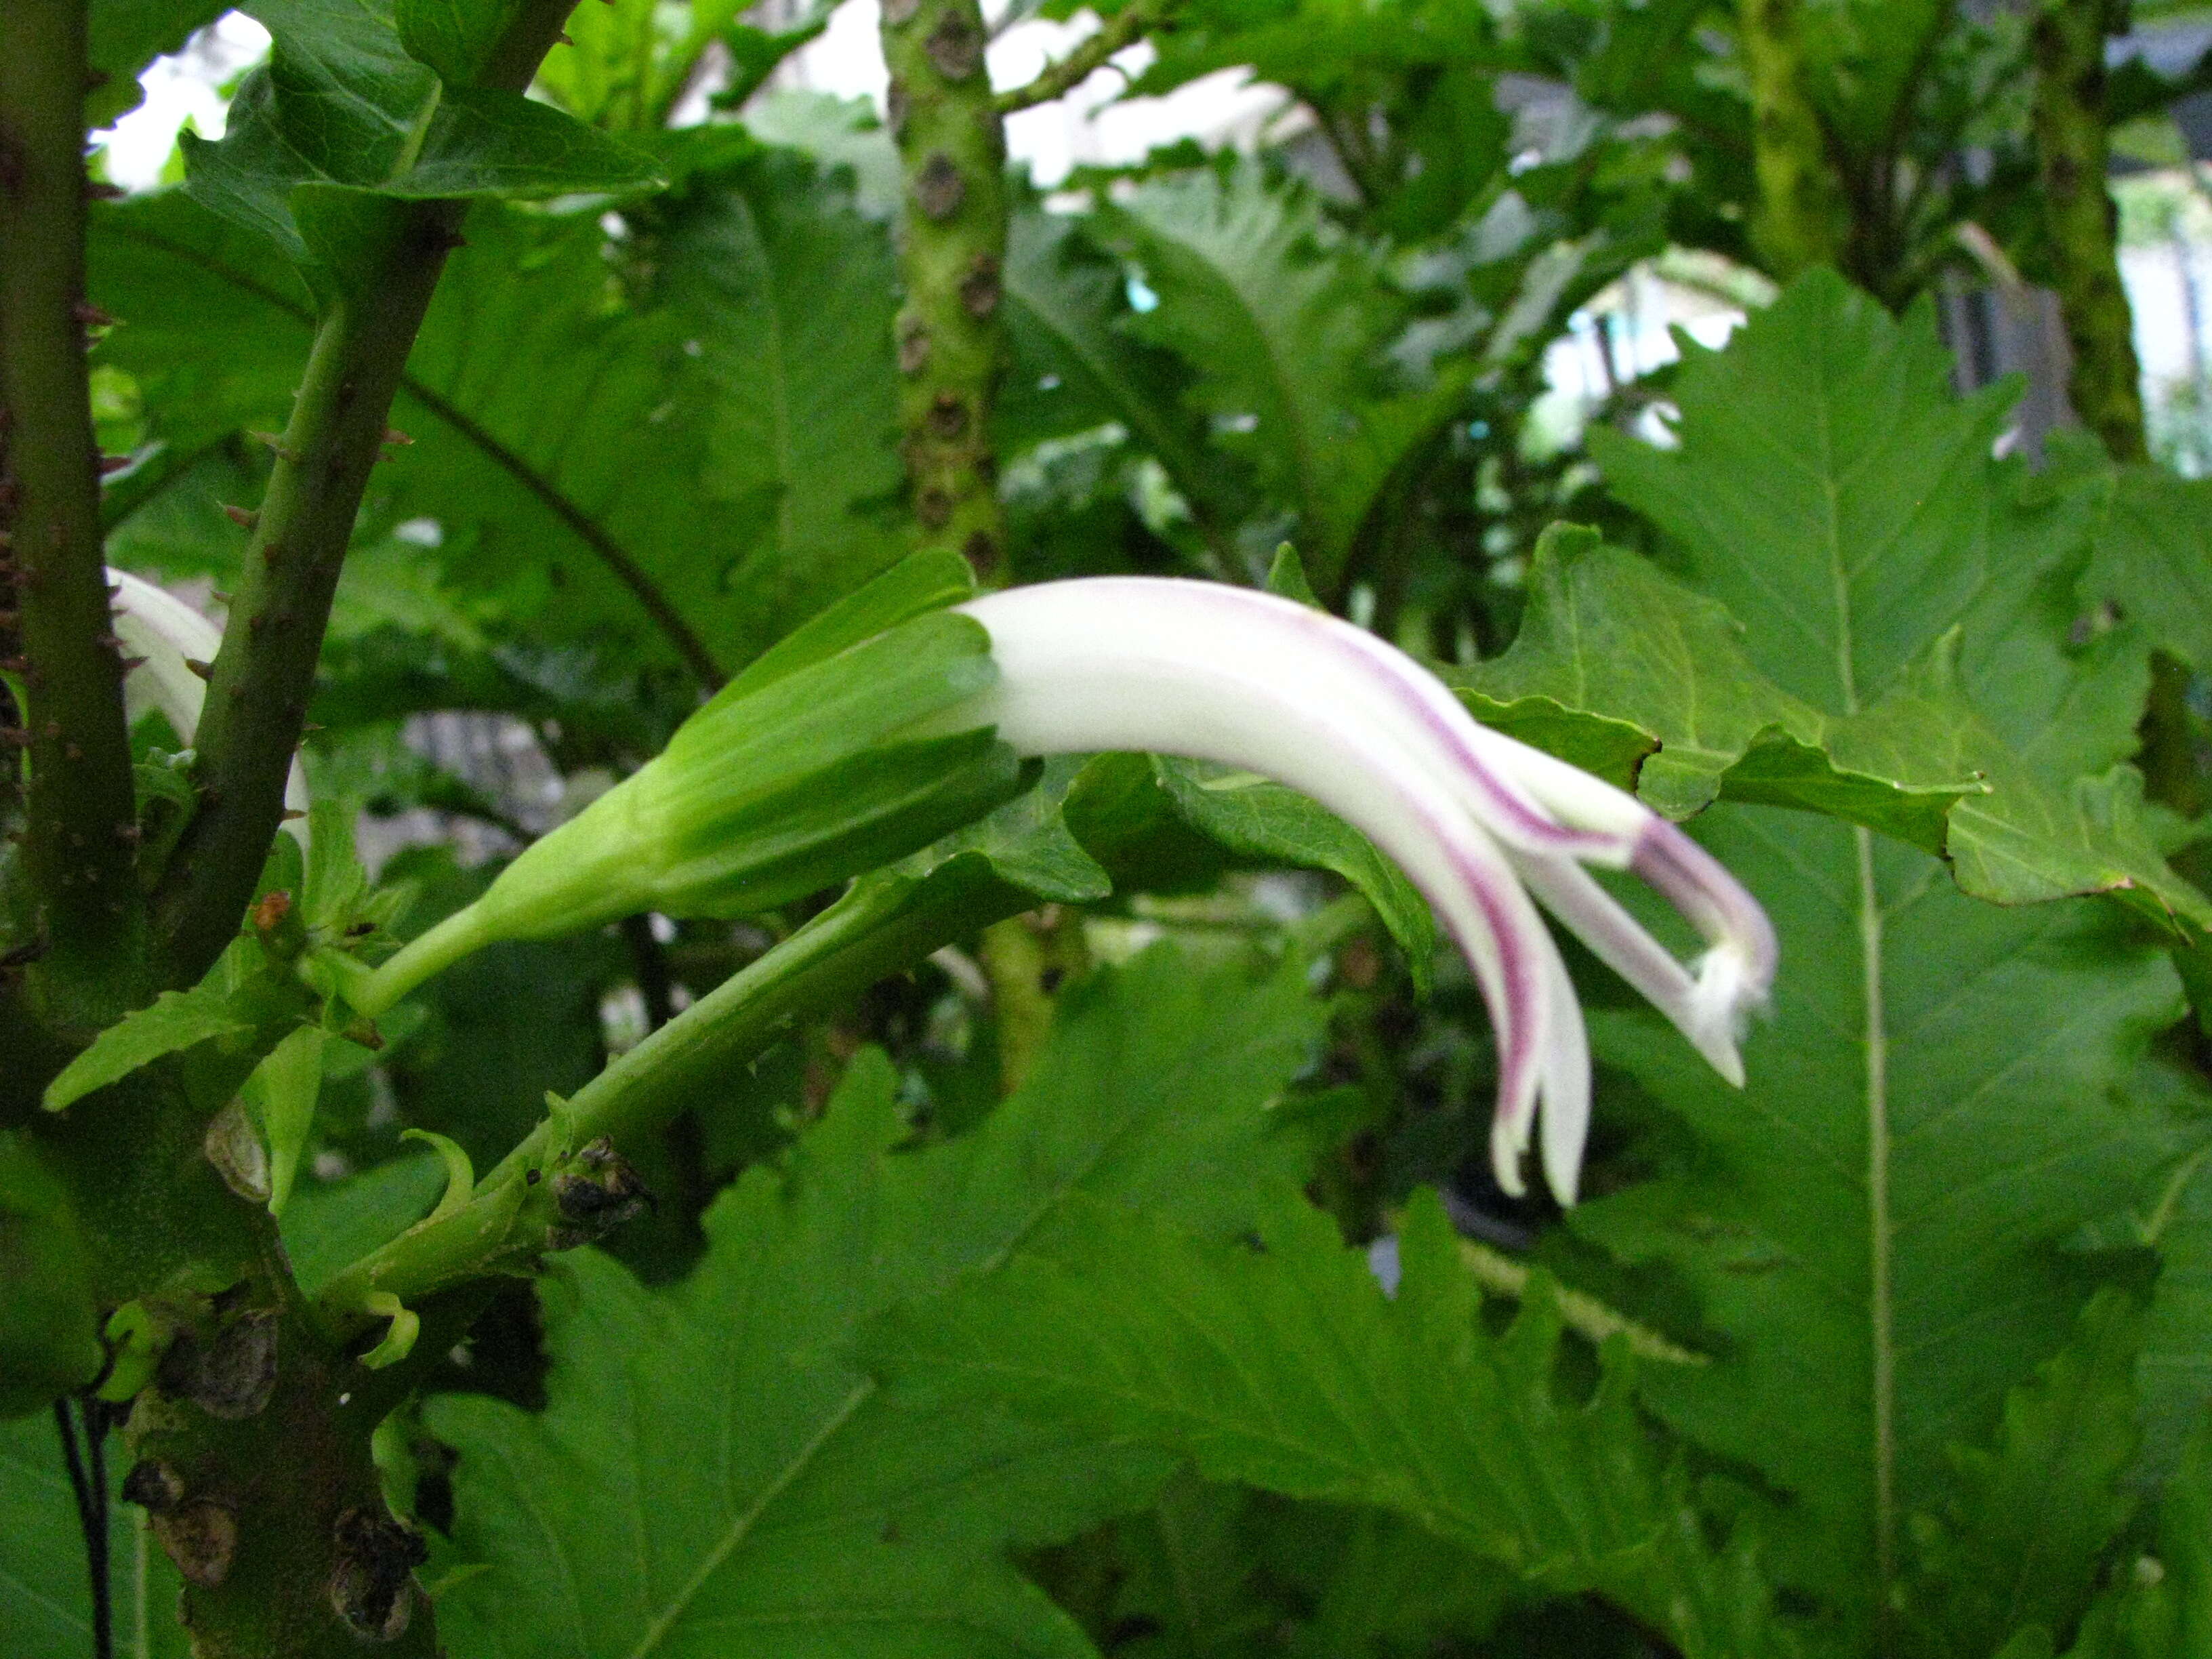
(711,1469)
(1291,1370)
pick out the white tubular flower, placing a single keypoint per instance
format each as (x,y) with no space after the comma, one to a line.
(1477,820)
(156,625)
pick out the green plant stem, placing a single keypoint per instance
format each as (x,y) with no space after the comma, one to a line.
(79,818)
(952,255)
(884,924)
(1803,218)
(2106,383)
(257,702)
(1122,30)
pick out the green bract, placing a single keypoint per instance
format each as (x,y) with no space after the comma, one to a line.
(810,767)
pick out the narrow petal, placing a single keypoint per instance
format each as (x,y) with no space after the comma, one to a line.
(1735,974)
(1142,667)
(1566,1113)
(1617,939)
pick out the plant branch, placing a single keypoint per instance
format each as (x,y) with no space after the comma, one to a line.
(884,924)
(257,702)
(2106,385)
(79,853)
(1056,80)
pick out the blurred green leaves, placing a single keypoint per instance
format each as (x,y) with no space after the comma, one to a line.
(760,1485)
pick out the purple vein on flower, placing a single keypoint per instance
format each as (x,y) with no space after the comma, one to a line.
(1477,820)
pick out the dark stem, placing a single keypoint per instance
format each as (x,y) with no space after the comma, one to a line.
(80,822)
(2079,217)
(257,701)
(952,257)
(95,1414)
(89,1488)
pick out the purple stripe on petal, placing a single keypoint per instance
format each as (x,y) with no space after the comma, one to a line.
(1715,902)
(1402,682)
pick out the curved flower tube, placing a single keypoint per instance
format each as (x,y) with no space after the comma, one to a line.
(1478,821)
(166,634)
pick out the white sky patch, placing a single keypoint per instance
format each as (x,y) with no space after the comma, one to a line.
(185,87)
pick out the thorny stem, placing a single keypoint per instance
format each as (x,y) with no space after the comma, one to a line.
(953,253)
(80,822)
(2106,385)
(257,703)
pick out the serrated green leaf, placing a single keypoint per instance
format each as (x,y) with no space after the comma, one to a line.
(597,476)
(1291,1370)
(342,103)
(789,294)
(2022,1542)
(1285,325)
(1871,1225)
(1831,492)
(712,1468)
(1615,660)
(174,1020)
(1077,365)
(1027,843)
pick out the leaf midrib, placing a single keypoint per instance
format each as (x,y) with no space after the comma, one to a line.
(742,1527)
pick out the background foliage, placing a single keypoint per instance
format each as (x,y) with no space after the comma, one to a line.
(1129,1282)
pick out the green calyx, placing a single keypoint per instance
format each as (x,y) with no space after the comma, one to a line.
(840,750)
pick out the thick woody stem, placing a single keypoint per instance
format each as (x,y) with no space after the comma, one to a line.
(79,848)
(257,703)
(1803,217)
(952,251)
(2106,385)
